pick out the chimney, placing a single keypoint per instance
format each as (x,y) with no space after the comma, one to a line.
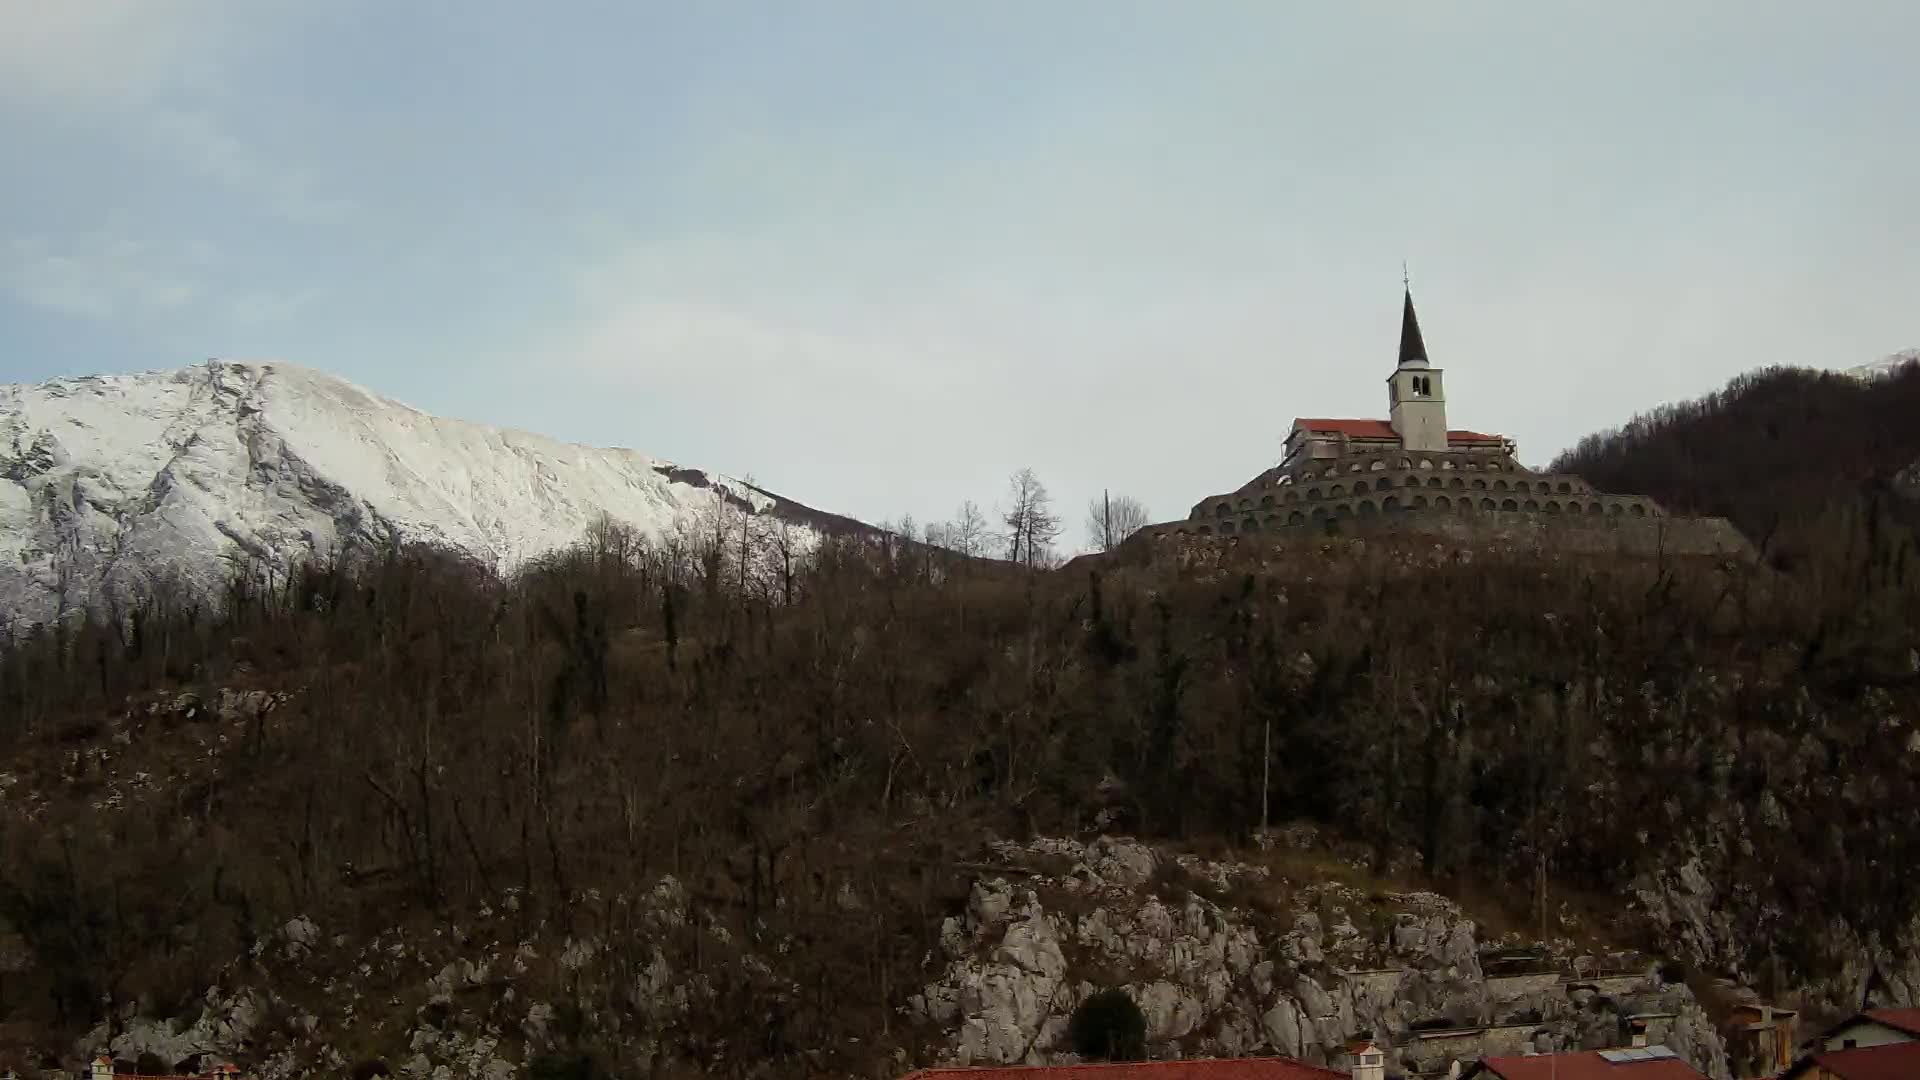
(1369,1063)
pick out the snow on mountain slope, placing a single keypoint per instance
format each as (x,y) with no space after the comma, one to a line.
(108,484)
(1884,367)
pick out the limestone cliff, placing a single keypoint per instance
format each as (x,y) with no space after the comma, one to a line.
(1226,959)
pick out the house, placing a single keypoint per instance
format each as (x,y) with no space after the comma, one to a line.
(1879,1044)
(1632,1063)
(1875,1027)
(1886,1061)
(1760,1039)
(105,1069)
(1270,1068)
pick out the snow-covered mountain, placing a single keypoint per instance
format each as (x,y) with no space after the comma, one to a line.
(1883,367)
(109,483)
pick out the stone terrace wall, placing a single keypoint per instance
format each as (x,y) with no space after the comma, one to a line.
(1589,534)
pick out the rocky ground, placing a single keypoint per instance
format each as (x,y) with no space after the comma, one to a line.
(1224,958)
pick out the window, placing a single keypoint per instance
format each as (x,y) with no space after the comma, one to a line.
(1359,487)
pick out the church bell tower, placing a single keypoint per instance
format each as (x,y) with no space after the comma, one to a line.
(1415,396)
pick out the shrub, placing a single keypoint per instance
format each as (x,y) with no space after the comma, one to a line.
(565,1067)
(1109,1025)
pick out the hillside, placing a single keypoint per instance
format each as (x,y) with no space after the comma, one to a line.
(1781,452)
(635,806)
(110,486)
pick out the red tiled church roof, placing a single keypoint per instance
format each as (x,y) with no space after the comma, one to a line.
(1381,429)
(1190,1069)
(1586,1065)
(1894,1061)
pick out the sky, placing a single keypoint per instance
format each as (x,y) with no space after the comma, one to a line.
(877,255)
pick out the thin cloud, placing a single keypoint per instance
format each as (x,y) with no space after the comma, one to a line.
(101,278)
(104,51)
(198,143)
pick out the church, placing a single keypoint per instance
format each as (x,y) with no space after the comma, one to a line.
(1413,472)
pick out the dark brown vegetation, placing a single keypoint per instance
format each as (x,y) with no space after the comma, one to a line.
(1779,452)
(853,725)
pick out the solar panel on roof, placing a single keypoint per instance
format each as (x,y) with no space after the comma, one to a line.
(1631,1054)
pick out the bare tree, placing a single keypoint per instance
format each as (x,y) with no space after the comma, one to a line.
(1032,526)
(1113,518)
(967,532)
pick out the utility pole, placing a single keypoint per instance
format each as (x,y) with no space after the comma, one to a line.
(1266,767)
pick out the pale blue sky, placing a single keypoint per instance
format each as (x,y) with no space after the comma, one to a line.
(880,254)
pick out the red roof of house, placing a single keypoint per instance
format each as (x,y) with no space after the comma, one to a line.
(1381,429)
(1190,1069)
(1587,1065)
(1907,1020)
(1894,1061)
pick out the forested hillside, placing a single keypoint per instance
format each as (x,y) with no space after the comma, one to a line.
(814,758)
(1781,452)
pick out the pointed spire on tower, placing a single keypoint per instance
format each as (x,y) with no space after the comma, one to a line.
(1412,349)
